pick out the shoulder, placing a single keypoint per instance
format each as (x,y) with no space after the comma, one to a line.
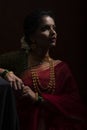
(63,70)
(56,62)
(61,65)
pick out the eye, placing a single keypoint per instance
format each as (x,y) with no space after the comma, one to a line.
(44,28)
(54,27)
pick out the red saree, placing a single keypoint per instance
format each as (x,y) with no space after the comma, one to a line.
(62,111)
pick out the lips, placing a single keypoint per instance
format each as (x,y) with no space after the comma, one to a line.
(53,39)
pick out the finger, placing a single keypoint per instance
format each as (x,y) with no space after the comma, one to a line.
(22,85)
(19,80)
(25,91)
(19,85)
(14,85)
(25,95)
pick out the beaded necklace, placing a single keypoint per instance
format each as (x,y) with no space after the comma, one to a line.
(50,88)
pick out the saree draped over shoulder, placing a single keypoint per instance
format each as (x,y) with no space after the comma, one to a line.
(62,110)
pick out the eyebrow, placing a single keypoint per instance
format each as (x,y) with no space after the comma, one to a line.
(43,25)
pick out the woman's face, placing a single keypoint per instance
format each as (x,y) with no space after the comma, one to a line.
(45,35)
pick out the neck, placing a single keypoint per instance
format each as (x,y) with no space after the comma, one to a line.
(46,58)
(35,59)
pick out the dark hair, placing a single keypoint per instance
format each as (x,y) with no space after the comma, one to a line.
(32,22)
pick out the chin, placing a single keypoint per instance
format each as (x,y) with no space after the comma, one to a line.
(53,44)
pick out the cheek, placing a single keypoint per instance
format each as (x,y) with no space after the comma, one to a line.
(44,35)
(42,41)
(42,38)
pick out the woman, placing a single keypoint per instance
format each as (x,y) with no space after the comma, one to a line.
(50,99)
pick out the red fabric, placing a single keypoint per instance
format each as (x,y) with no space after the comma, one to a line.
(62,111)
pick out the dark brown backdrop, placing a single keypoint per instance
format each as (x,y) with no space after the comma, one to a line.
(70,15)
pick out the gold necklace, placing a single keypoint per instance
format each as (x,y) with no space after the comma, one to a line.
(50,88)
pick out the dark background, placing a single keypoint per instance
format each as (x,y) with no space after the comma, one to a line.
(70,20)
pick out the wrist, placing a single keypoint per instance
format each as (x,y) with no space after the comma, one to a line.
(38,98)
(4,72)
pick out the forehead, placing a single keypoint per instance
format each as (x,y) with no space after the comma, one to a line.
(47,20)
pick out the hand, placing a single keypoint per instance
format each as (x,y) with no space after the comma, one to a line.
(15,82)
(27,91)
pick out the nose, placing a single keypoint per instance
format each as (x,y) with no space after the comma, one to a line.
(52,31)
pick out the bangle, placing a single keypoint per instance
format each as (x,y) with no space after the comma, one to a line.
(40,99)
(3,74)
(36,96)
